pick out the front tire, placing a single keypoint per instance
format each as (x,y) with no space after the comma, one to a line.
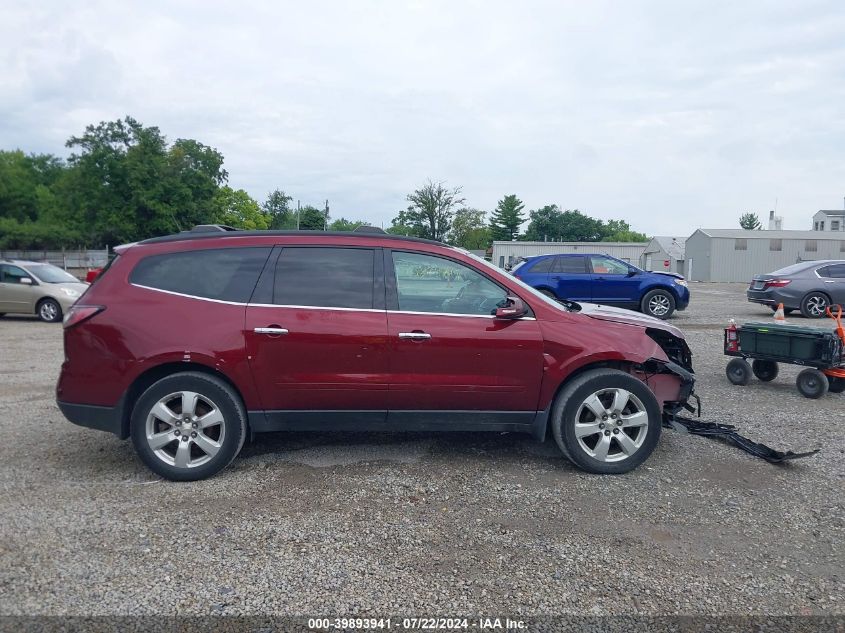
(658,303)
(606,421)
(814,304)
(49,311)
(188,426)
(738,371)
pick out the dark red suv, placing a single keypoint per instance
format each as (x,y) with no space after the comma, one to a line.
(190,342)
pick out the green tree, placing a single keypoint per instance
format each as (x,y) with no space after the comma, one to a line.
(620,231)
(408,223)
(470,230)
(430,210)
(237,209)
(312,219)
(549,223)
(750,222)
(124,183)
(507,218)
(342,224)
(278,209)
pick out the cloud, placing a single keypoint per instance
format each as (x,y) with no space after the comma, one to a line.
(670,115)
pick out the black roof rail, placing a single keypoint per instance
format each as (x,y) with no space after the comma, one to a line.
(237,233)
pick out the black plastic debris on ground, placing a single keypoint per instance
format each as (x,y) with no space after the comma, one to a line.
(728,432)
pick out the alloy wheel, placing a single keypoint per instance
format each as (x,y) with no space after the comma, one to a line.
(659,305)
(816,305)
(48,311)
(185,429)
(611,425)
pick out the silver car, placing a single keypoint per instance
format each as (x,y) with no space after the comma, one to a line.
(807,286)
(37,288)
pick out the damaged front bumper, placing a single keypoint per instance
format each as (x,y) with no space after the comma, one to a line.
(672,385)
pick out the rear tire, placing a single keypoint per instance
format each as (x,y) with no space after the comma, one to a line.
(49,310)
(814,304)
(188,426)
(606,421)
(658,303)
(765,370)
(812,383)
(738,371)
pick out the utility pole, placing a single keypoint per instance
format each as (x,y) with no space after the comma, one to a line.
(298,213)
(326,223)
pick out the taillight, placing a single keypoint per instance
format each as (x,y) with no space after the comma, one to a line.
(775,283)
(78,314)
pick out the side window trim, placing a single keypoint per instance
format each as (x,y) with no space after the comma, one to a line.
(393,292)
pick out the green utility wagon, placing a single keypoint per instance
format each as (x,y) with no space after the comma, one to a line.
(768,344)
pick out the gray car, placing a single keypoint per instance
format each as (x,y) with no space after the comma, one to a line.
(37,288)
(807,286)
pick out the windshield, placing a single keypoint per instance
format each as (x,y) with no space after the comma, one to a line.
(50,274)
(535,293)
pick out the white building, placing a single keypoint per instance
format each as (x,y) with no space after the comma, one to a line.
(509,253)
(664,254)
(829,220)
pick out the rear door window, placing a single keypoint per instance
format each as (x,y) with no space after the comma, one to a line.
(325,277)
(836,271)
(571,265)
(225,274)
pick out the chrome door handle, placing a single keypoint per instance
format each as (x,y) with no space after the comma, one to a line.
(415,336)
(270,330)
(829,281)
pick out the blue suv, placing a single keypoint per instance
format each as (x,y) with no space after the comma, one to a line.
(607,280)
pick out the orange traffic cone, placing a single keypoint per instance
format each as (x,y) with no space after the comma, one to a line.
(779,316)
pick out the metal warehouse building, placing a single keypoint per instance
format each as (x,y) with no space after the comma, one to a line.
(738,255)
(664,254)
(508,253)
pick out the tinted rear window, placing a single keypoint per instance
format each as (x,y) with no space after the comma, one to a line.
(324,277)
(543,266)
(571,265)
(227,274)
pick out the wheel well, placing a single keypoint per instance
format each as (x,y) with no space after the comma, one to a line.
(143,382)
(668,289)
(608,364)
(817,292)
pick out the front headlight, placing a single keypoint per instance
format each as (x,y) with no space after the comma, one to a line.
(681,282)
(70,292)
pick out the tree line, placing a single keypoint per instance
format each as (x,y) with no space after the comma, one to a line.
(124,181)
(438,212)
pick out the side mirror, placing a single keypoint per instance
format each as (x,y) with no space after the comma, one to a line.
(632,272)
(26,281)
(514,309)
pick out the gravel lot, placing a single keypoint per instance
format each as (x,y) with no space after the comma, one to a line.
(426,524)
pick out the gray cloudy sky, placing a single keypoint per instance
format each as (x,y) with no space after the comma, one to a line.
(671,115)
